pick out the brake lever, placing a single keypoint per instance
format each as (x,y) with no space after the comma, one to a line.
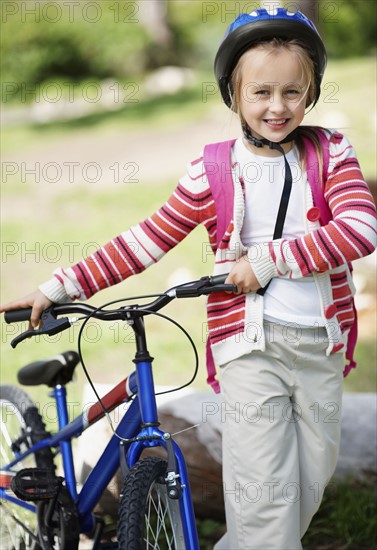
(50,325)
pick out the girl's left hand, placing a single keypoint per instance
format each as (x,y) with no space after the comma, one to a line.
(243,276)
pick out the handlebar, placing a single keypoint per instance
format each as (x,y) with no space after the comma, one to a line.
(51,325)
(17,315)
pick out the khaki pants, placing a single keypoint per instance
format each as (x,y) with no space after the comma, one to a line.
(281,432)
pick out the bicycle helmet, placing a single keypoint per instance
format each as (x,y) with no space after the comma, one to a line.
(260,25)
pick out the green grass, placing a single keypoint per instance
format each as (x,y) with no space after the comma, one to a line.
(347,518)
(364,377)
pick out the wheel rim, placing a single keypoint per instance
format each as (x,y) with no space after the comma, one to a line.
(163,527)
(17,524)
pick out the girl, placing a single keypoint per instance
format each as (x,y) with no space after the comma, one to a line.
(279,341)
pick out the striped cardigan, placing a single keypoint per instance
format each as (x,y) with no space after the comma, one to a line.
(235,322)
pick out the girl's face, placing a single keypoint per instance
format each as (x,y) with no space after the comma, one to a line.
(273,93)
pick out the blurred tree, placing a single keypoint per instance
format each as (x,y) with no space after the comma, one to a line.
(72,47)
(349,27)
(309,8)
(153,15)
(123,44)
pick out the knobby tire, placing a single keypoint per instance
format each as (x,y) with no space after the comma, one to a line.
(148,518)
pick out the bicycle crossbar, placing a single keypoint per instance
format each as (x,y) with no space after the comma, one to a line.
(115,397)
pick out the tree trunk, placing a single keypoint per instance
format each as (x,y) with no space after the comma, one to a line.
(153,16)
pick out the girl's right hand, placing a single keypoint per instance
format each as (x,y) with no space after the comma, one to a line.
(36,300)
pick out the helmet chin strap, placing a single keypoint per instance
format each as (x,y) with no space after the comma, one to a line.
(262,142)
(287,187)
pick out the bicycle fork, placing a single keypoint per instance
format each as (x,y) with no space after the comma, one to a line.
(177,481)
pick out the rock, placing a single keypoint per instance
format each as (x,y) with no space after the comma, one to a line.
(204,470)
(194,420)
(358,447)
(195,423)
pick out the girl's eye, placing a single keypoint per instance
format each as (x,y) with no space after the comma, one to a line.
(262,93)
(292,93)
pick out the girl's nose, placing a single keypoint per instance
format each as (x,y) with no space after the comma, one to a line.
(277,104)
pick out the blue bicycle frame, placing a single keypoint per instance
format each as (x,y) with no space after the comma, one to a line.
(139,429)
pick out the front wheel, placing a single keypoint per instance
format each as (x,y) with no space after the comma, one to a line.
(148,518)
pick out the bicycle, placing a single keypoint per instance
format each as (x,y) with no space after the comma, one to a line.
(41,510)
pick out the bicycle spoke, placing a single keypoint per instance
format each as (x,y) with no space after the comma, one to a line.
(158,521)
(20,530)
(21,427)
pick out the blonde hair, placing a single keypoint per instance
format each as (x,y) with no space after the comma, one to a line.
(306,62)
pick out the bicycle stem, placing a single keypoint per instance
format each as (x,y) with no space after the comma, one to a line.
(143,362)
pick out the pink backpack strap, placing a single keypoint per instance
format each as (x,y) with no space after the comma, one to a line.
(317,180)
(211,369)
(217,164)
(351,344)
(317,185)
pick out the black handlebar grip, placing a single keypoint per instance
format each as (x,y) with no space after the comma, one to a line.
(218,279)
(220,288)
(17,315)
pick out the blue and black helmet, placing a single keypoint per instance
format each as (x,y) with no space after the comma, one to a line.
(260,25)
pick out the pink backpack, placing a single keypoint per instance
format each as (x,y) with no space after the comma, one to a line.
(217,164)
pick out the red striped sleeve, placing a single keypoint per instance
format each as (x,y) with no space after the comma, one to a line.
(190,204)
(352,233)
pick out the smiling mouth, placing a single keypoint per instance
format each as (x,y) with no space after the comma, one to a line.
(276,122)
